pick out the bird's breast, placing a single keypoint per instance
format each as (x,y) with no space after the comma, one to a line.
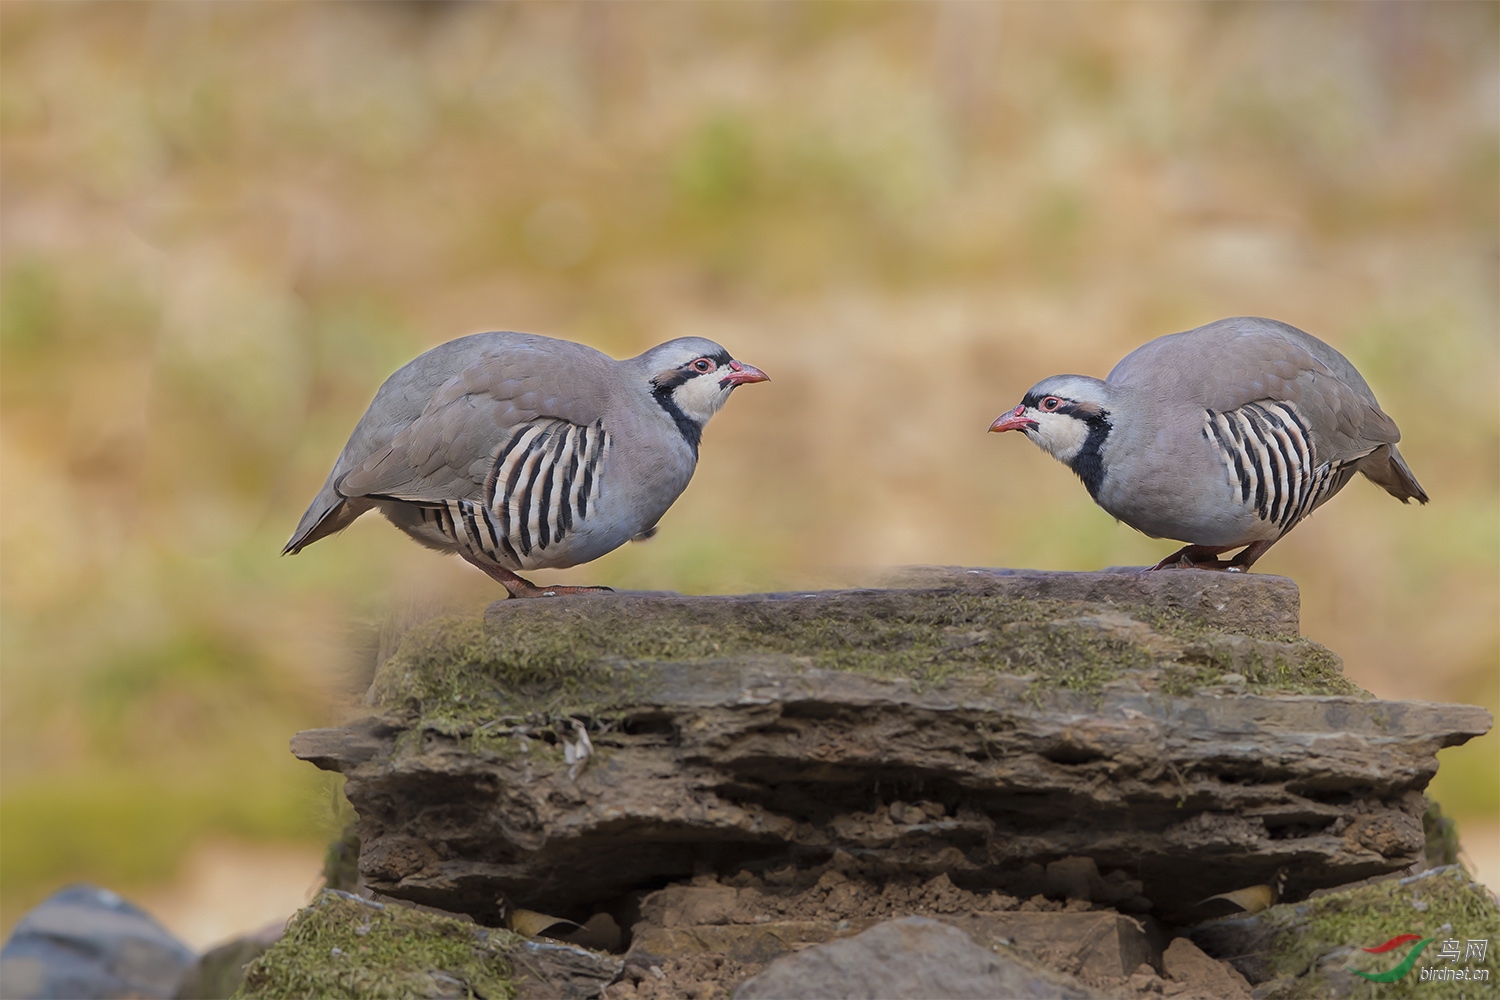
(1217,478)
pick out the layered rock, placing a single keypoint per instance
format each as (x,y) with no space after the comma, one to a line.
(1168,736)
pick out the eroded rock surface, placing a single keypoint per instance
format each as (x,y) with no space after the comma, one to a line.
(1168,732)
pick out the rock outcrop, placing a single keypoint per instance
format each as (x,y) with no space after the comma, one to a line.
(1172,728)
(1065,764)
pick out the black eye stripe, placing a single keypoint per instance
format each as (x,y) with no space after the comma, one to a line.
(1090,413)
(1035,402)
(720,359)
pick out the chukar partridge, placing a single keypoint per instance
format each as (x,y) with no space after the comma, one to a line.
(521,452)
(1221,437)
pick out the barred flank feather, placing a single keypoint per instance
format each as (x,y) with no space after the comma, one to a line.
(1268,453)
(544,479)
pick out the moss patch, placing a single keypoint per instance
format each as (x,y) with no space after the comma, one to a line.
(342,946)
(580,658)
(1317,939)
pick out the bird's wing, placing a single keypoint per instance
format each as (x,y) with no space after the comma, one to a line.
(1228,364)
(448,451)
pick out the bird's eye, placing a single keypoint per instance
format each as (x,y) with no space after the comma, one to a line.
(703,365)
(1051,403)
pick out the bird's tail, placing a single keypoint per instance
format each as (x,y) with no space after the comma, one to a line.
(322,519)
(1387,469)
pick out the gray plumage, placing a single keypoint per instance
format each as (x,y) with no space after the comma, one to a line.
(1221,437)
(521,452)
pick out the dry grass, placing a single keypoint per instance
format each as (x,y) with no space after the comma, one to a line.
(223,225)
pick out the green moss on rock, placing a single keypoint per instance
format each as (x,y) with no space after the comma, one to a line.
(1316,943)
(585,656)
(344,946)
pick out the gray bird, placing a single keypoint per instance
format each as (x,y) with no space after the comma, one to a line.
(1221,437)
(521,452)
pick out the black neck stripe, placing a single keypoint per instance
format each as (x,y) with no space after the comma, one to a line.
(1089,463)
(692,432)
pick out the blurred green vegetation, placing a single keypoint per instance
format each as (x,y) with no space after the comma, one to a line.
(222,225)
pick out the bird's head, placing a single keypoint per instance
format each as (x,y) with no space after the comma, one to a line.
(1067,416)
(692,377)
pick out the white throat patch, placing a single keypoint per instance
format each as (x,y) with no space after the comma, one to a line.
(700,398)
(1058,434)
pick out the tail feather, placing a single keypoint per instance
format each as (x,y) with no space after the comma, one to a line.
(1387,469)
(323,519)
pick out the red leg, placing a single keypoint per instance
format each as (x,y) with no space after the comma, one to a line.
(1242,562)
(518,587)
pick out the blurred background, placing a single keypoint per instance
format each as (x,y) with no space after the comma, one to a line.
(225,224)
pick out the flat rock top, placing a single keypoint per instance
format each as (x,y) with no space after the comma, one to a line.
(1232,602)
(1173,631)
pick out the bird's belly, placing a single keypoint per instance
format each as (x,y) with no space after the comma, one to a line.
(1198,504)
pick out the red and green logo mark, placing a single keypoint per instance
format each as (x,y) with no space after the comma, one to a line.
(1406,963)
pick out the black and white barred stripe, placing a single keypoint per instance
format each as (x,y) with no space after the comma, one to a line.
(544,480)
(1268,452)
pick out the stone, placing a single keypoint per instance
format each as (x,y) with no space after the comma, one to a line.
(84,942)
(1098,945)
(912,957)
(988,730)
(219,972)
(747,944)
(686,905)
(1307,949)
(1144,980)
(554,970)
(345,945)
(757,924)
(1185,962)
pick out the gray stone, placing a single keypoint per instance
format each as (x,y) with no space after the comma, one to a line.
(912,957)
(1185,962)
(1099,945)
(220,971)
(84,942)
(554,970)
